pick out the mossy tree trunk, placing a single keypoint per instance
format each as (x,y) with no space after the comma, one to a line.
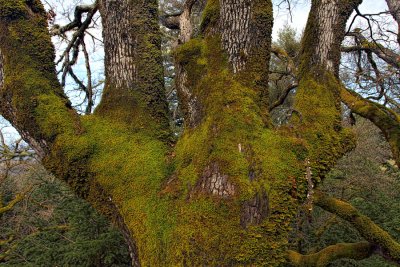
(226,192)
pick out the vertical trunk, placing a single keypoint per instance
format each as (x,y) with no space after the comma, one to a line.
(134,90)
(244,32)
(317,100)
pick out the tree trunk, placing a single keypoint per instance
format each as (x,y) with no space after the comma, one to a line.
(134,86)
(227,192)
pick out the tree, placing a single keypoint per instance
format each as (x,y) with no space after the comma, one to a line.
(227,191)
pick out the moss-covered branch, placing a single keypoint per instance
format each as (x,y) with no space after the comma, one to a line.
(356,251)
(31,97)
(375,235)
(385,119)
(10,205)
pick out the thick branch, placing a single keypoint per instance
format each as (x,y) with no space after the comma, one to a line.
(386,245)
(356,251)
(31,97)
(384,118)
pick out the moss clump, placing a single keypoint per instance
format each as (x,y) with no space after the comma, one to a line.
(13,9)
(210,15)
(189,51)
(319,121)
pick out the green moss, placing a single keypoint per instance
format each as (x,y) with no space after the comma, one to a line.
(233,135)
(188,51)
(210,15)
(319,120)
(13,9)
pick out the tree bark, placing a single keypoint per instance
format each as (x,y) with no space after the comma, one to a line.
(134,86)
(227,192)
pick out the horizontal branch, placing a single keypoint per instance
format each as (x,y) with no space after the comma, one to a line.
(382,240)
(355,251)
(383,53)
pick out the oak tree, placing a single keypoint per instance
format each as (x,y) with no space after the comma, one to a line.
(227,191)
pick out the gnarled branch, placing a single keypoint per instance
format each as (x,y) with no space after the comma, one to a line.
(375,235)
(383,53)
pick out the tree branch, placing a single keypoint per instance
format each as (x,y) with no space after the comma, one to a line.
(283,97)
(385,119)
(356,251)
(77,22)
(383,53)
(383,242)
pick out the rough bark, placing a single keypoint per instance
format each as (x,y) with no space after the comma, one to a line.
(133,64)
(244,28)
(324,34)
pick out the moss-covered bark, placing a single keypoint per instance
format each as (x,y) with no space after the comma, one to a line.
(355,251)
(134,90)
(389,247)
(226,193)
(31,97)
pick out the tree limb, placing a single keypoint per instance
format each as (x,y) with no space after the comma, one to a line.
(385,119)
(77,22)
(356,251)
(383,53)
(283,97)
(383,241)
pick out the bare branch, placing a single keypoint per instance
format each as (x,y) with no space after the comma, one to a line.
(283,97)
(385,54)
(77,22)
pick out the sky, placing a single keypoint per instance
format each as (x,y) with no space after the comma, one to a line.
(297,20)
